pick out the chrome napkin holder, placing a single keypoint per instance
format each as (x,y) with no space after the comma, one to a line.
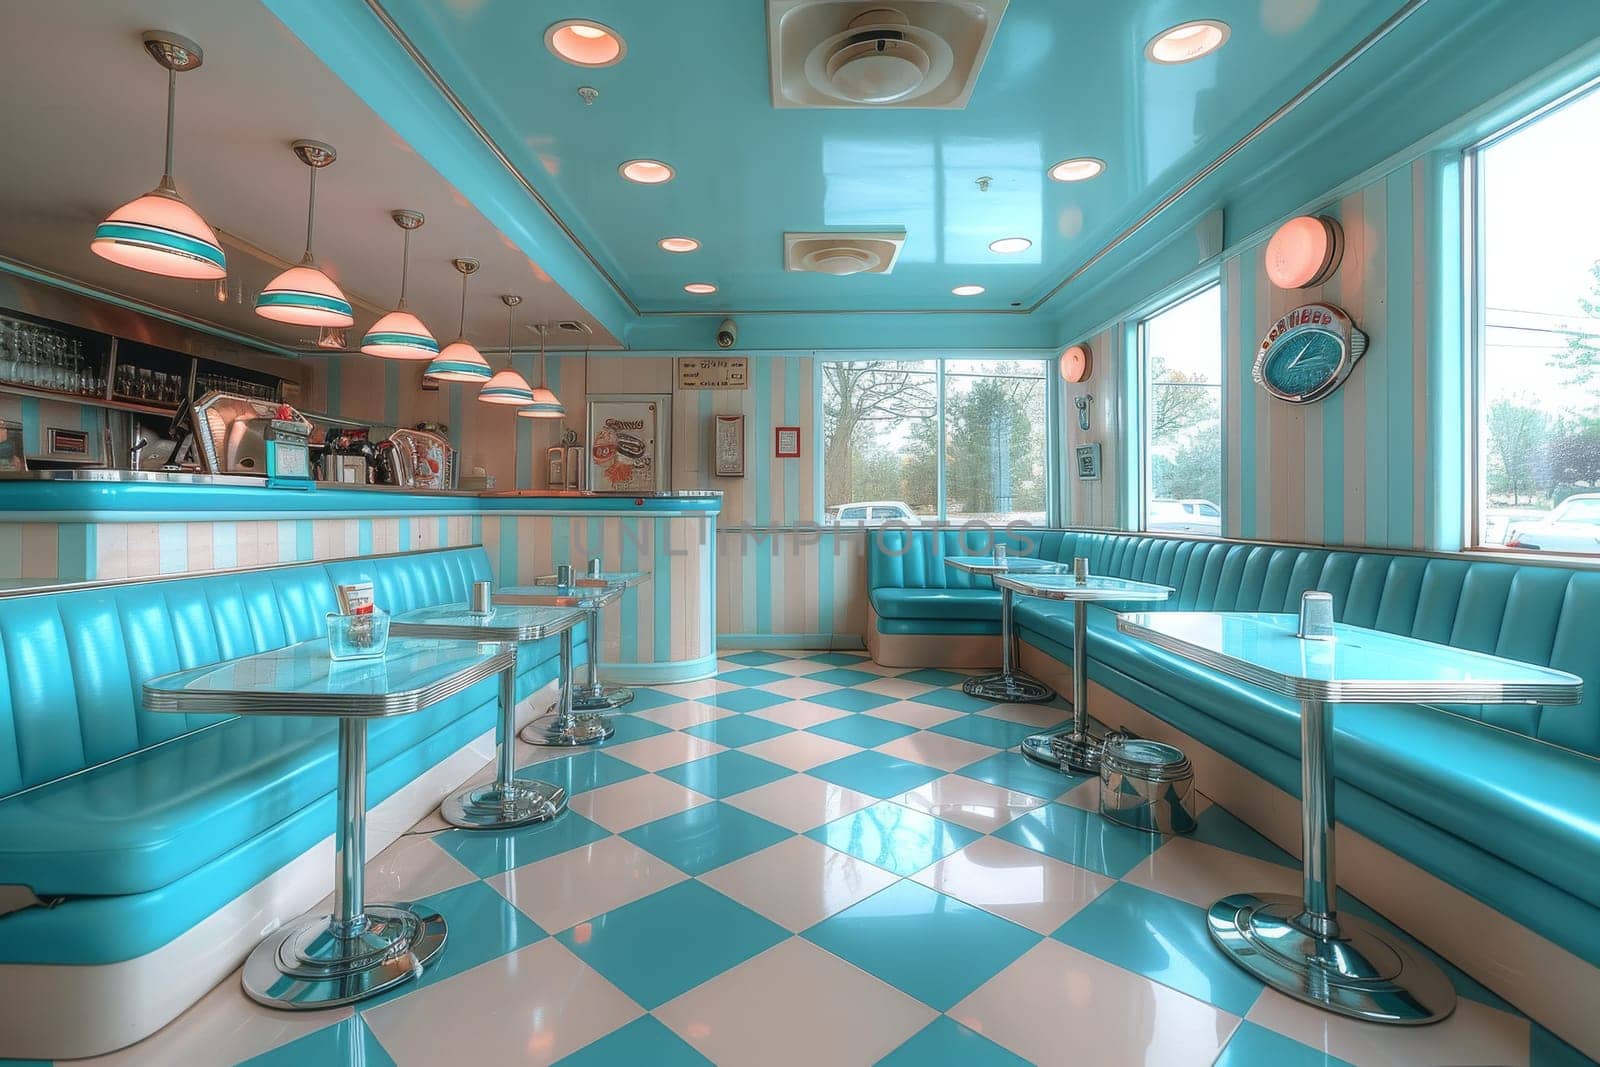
(1316,616)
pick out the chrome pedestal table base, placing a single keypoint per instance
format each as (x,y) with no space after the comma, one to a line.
(560,726)
(309,965)
(495,807)
(1010,686)
(592,695)
(1355,969)
(1077,750)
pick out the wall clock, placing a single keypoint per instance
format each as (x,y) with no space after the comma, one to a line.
(1077,364)
(1308,353)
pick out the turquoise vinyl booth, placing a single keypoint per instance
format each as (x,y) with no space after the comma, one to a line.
(161,847)
(1501,803)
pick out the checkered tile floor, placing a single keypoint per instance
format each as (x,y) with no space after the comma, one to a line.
(815,860)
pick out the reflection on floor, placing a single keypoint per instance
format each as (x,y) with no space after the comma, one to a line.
(814,860)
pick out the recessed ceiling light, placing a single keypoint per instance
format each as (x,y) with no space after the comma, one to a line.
(1187,41)
(967,290)
(699,288)
(678,244)
(585,43)
(646,171)
(1010,245)
(1077,170)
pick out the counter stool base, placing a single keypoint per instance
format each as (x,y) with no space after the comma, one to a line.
(551,730)
(1362,971)
(1068,752)
(497,807)
(304,966)
(601,698)
(1008,688)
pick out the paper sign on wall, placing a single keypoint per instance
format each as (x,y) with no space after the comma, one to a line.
(713,372)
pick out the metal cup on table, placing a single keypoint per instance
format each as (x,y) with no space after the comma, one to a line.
(594,567)
(481,602)
(1316,616)
(564,575)
(1080,569)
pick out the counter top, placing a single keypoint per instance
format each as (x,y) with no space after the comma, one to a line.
(246,481)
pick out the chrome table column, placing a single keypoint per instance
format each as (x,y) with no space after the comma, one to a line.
(561,726)
(1302,946)
(1009,686)
(507,801)
(362,948)
(597,590)
(1077,749)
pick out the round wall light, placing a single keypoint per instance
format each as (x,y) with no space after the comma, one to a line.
(678,244)
(585,43)
(1077,170)
(646,171)
(700,288)
(968,290)
(1010,246)
(1305,251)
(1077,363)
(1187,41)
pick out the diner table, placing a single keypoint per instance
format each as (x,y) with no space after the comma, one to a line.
(1010,685)
(1079,748)
(362,948)
(507,801)
(593,590)
(1302,946)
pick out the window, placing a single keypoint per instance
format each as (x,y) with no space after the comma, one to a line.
(1537,451)
(1181,350)
(896,431)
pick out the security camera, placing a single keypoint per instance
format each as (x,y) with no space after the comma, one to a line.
(727,334)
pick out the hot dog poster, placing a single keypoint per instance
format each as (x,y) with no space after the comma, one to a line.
(625,445)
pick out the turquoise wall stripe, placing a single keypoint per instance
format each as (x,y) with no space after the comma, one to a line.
(560,540)
(1447,445)
(628,649)
(761,394)
(1396,448)
(225,545)
(523,362)
(662,562)
(75,551)
(391,392)
(477,529)
(286,540)
(364,536)
(827,547)
(91,552)
(173,541)
(32,432)
(304,540)
(442,531)
(792,504)
(402,537)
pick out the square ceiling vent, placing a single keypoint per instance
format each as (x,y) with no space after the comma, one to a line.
(904,53)
(842,253)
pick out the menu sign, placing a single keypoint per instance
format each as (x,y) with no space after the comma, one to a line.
(713,372)
(625,445)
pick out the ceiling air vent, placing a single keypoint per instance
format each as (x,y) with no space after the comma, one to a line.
(845,53)
(842,253)
(573,326)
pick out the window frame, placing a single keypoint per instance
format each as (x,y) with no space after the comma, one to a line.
(1052,437)
(1139,319)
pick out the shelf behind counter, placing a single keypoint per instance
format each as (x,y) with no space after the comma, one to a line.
(59,527)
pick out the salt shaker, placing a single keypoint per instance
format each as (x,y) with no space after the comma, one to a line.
(1080,569)
(564,575)
(594,567)
(481,604)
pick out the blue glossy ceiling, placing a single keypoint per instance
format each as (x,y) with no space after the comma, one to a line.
(1062,79)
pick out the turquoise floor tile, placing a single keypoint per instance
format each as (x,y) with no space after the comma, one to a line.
(928,945)
(1217,827)
(1080,837)
(1165,940)
(344,1043)
(750,676)
(839,659)
(645,698)
(726,773)
(934,676)
(876,774)
(671,941)
(894,837)
(946,1043)
(632,728)
(645,1041)
(843,676)
(736,731)
(1256,1046)
(706,837)
(744,699)
(1548,1050)
(486,853)
(755,659)
(981,729)
(582,771)
(482,925)
(851,699)
(863,731)
(954,700)
(1014,771)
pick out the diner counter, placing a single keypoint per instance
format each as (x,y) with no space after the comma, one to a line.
(60,527)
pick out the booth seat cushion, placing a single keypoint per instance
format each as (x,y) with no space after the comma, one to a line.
(937,603)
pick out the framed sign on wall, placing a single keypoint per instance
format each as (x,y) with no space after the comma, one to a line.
(629,443)
(786,443)
(727,446)
(713,372)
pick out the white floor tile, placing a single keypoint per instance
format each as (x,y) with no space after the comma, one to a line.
(1039,716)
(798,688)
(936,750)
(562,891)
(968,802)
(797,883)
(1475,1035)
(800,802)
(799,714)
(624,805)
(1015,883)
(899,688)
(801,751)
(684,714)
(1203,875)
(660,751)
(910,713)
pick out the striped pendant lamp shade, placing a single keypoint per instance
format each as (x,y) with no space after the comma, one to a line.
(546,405)
(459,362)
(304,296)
(400,335)
(160,234)
(507,387)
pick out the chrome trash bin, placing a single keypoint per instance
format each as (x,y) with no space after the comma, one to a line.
(1147,785)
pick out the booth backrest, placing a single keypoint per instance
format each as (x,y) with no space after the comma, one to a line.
(73,661)
(1534,612)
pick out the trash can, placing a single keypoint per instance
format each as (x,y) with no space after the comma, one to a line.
(1147,785)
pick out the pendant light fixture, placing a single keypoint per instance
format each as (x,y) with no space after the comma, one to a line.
(460,362)
(400,334)
(303,295)
(507,387)
(158,233)
(546,405)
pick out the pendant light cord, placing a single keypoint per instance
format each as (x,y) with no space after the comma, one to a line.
(311,215)
(461,331)
(541,356)
(511,314)
(172,111)
(405,263)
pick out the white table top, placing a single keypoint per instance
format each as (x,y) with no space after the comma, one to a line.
(1094,587)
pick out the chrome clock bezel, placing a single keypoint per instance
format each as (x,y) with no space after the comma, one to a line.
(1311,318)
